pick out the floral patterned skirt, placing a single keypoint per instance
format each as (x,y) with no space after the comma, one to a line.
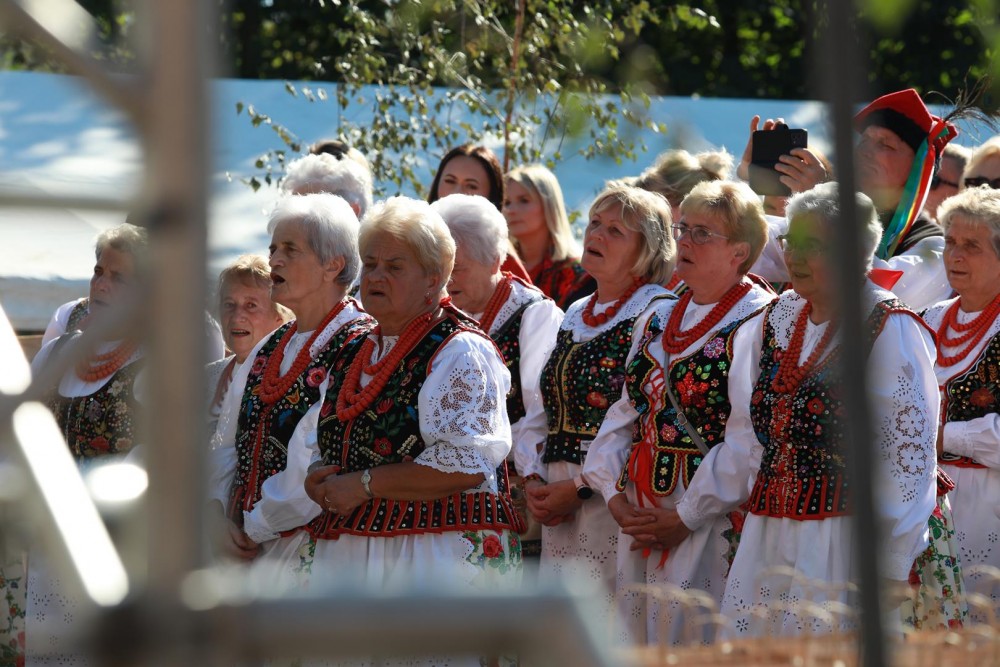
(939,599)
(12,588)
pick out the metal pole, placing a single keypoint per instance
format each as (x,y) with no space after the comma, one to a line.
(177,143)
(841,76)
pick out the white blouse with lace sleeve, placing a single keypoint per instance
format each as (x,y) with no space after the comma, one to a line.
(903,394)
(610,449)
(222,451)
(462,410)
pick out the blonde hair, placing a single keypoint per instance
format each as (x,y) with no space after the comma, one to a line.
(649,214)
(739,209)
(417,225)
(676,172)
(987,151)
(979,206)
(544,184)
(252,271)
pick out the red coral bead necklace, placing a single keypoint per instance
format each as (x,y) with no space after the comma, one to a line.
(790,375)
(496,302)
(352,399)
(974,330)
(100,366)
(592,320)
(675,340)
(274,385)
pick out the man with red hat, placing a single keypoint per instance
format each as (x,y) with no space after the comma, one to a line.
(901,142)
(896,158)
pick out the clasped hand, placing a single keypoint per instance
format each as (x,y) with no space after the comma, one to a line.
(649,527)
(552,504)
(340,494)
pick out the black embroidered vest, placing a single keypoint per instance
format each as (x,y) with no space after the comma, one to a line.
(389,432)
(973,394)
(700,383)
(77,314)
(263,429)
(102,423)
(579,383)
(803,472)
(508,341)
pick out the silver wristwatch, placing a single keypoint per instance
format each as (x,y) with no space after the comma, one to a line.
(366,480)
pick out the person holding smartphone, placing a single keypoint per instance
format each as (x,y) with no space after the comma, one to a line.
(896,158)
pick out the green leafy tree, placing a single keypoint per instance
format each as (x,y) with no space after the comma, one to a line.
(436,74)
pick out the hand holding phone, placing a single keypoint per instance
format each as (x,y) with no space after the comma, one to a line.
(768,147)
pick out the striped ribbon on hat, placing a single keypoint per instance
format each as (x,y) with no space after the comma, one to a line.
(915,192)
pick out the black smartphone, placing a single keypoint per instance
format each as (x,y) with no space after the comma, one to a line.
(768,146)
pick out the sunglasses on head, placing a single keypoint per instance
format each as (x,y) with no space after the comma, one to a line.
(976,181)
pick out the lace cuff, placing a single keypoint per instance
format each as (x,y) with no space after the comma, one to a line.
(257,533)
(448,458)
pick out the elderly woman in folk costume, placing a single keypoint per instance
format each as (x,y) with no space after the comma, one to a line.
(70,317)
(674,175)
(629,252)
(246,315)
(968,340)
(787,418)
(258,461)
(414,427)
(896,156)
(95,405)
(646,453)
(520,319)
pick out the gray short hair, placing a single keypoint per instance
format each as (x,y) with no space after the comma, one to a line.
(324,173)
(330,225)
(989,150)
(823,201)
(476,225)
(649,214)
(979,206)
(417,225)
(126,238)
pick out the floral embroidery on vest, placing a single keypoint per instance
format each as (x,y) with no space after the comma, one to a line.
(579,383)
(974,393)
(103,422)
(803,469)
(263,430)
(389,432)
(700,383)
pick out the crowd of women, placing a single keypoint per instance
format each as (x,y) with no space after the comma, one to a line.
(443,390)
